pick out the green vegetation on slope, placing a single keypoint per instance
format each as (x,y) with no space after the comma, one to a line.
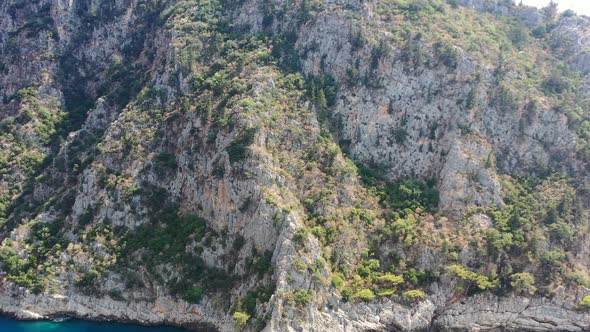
(370,233)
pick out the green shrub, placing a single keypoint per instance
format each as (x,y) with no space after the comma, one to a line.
(357,39)
(579,279)
(539,31)
(193,295)
(482,282)
(585,302)
(368,267)
(523,283)
(365,295)
(405,196)
(519,35)
(385,292)
(414,295)
(263,263)
(240,320)
(238,149)
(347,294)
(447,54)
(301,235)
(302,297)
(568,13)
(405,230)
(166,159)
(382,50)
(116,294)
(262,294)
(500,242)
(562,231)
(322,91)
(390,280)
(87,217)
(249,302)
(167,241)
(553,258)
(556,84)
(88,279)
(337,281)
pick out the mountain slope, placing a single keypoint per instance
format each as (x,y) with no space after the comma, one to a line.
(299,165)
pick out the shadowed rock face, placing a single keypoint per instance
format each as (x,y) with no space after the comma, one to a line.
(179,161)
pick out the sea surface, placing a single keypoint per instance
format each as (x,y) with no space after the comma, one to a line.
(11,325)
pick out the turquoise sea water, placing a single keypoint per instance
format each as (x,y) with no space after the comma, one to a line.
(11,325)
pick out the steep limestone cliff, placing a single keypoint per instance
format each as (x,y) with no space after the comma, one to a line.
(295,165)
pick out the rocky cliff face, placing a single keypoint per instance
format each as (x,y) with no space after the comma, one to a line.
(302,165)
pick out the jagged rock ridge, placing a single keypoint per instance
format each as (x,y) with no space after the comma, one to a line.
(295,165)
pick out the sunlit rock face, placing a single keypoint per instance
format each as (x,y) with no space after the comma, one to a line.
(308,165)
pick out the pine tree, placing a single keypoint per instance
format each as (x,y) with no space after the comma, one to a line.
(550,11)
(322,103)
(304,11)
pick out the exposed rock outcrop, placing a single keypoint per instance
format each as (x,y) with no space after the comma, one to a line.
(179,161)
